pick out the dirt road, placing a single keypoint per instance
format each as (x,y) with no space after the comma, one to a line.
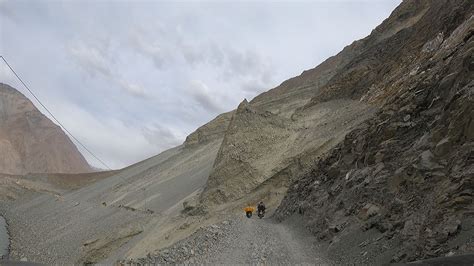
(244,241)
(255,240)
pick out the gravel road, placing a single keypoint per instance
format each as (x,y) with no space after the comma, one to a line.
(243,241)
(255,240)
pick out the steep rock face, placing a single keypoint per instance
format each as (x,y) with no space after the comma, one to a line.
(241,163)
(213,130)
(311,106)
(30,142)
(260,146)
(329,75)
(390,49)
(399,187)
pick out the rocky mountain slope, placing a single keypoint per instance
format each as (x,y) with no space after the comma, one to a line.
(282,131)
(260,147)
(30,142)
(360,141)
(400,186)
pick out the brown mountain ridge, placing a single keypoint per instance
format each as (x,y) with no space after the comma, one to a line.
(30,142)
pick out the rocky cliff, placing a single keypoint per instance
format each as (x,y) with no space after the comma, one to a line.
(400,186)
(315,109)
(30,142)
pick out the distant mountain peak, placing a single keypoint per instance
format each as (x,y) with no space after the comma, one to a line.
(30,142)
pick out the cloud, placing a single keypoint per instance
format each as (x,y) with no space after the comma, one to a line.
(161,137)
(6,75)
(248,70)
(119,144)
(253,86)
(148,42)
(169,47)
(91,59)
(133,89)
(243,63)
(228,62)
(132,79)
(5,10)
(149,48)
(251,71)
(233,72)
(205,97)
(95,61)
(193,55)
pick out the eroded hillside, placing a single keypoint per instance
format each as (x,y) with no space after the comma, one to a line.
(293,124)
(399,187)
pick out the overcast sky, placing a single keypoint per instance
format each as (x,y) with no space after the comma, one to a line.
(133,78)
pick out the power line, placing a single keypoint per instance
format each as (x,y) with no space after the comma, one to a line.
(65,129)
(55,119)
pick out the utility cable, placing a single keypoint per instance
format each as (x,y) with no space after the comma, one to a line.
(63,127)
(55,119)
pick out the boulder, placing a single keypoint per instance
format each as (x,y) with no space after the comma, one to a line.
(452,227)
(433,44)
(369,210)
(426,161)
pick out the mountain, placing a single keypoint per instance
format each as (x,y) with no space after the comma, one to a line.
(316,109)
(30,142)
(371,151)
(400,186)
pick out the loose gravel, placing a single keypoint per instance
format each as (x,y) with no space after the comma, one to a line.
(241,241)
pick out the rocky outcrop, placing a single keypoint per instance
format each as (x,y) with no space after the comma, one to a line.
(302,102)
(30,142)
(399,187)
(213,130)
(330,76)
(260,146)
(243,156)
(391,48)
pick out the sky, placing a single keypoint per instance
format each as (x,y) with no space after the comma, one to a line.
(131,79)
